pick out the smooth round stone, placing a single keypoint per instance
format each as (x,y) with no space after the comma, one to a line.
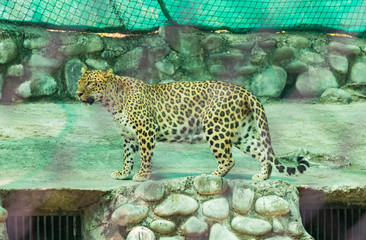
(216,208)
(3,214)
(176,204)
(295,229)
(336,95)
(150,191)
(299,42)
(358,73)
(212,42)
(283,53)
(277,226)
(338,63)
(279,238)
(272,206)
(138,233)
(172,238)
(251,226)
(165,67)
(210,185)
(193,227)
(315,82)
(163,226)
(296,67)
(219,232)
(243,199)
(129,214)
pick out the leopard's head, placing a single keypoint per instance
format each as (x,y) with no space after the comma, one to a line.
(92,85)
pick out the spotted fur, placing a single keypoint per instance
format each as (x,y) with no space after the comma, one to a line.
(221,113)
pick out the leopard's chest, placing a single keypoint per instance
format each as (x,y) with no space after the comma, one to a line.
(123,123)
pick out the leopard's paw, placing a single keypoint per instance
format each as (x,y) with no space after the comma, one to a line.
(141,176)
(119,175)
(259,176)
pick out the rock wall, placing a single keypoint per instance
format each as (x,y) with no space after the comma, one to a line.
(38,63)
(201,207)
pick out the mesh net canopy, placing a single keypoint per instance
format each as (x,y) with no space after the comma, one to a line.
(234,15)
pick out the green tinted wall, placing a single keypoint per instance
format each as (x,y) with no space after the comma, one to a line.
(234,15)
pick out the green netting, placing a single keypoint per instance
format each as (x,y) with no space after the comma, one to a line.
(233,15)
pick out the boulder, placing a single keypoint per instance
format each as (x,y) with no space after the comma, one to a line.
(129,214)
(150,191)
(165,67)
(210,185)
(16,70)
(36,43)
(97,64)
(41,84)
(138,233)
(219,232)
(243,199)
(296,67)
(314,82)
(80,44)
(347,49)
(270,82)
(332,95)
(283,53)
(272,206)
(212,42)
(216,208)
(358,73)
(176,204)
(193,227)
(129,61)
(299,42)
(163,226)
(72,73)
(8,50)
(38,60)
(311,58)
(338,63)
(251,226)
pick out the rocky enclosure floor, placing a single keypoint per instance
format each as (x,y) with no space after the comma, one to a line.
(69,145)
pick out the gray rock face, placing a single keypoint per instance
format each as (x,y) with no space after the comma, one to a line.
(272,206)
(8,50)
(243,199)
(72,73)
(163,226)
(129,61)
(209,185)
(219,232)
(216,208)
(336,95)
(16,70)
(138,233)
(176,204)
(269,83)
(150,191)
(251,226)
(358,73)
(315,82)
(194,227)
(129,214)
(299,42)
(212,42)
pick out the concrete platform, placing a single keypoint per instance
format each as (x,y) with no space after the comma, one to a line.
(72,146)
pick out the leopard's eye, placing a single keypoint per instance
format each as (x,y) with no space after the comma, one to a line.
(89,83)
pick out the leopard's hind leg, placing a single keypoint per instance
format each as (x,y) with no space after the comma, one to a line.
(248,141)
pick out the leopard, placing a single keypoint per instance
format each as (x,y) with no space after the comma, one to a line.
(218,112)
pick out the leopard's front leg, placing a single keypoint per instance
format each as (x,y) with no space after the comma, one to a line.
(147,145)
(130,147)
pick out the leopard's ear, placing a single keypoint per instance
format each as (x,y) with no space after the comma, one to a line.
(83,70)
(108,73)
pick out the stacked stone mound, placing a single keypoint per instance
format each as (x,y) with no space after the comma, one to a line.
(203,207)
(38,63)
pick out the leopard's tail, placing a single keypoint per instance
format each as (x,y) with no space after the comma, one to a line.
(263,130)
